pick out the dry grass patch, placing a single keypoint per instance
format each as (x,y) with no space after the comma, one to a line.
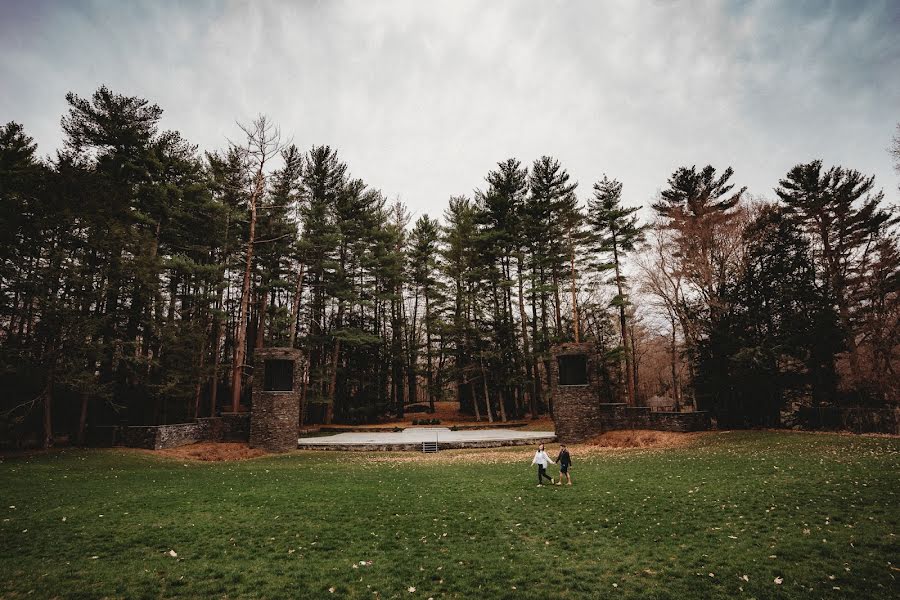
(643,438)
(212,452)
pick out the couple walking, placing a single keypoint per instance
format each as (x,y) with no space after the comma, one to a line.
(542,459)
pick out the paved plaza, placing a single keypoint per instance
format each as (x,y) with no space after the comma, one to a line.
(411,438)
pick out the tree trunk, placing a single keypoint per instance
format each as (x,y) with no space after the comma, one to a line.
(214,378)
(487,396)
(523,321)
(201,364)
(332,386)
(295,306)
(240,337)
(303,383)
(48,406)
(634,361)
(537,388)
(412,351)
(82,419)
(557,305)
(474,402)
(260,341)
(673,349)
(576,325)
(626,347)
(430,374)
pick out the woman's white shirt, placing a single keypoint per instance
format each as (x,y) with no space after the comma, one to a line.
(542,458)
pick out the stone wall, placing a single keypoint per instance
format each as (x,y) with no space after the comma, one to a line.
(578,413)
(157,437)
(680,421)
(578,419)
(230,427)
(576,408)
(235,427)
(275,415)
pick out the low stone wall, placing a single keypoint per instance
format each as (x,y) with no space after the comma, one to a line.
(680,421)
(230,427)
(158,437)
(578,417)
(235,427)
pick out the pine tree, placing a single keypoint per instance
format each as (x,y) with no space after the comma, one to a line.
(546,213)
(615,233)
(324,178)
(759,353)
(842,214)
(423,257)
(508,191)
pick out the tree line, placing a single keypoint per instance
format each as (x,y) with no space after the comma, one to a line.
(138,275)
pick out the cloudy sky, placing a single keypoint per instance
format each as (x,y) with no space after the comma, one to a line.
(423,98)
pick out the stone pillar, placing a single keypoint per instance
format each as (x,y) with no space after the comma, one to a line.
(576,394)
(275,412)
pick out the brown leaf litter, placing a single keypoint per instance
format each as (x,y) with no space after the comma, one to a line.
(212,452)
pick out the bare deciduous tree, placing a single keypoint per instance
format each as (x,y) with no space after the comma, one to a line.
(263,143)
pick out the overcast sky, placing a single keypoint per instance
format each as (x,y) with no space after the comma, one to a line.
(422,98)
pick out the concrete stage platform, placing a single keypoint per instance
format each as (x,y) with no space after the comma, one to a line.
(411,439)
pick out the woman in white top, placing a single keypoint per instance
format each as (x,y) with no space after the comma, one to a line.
(542,459)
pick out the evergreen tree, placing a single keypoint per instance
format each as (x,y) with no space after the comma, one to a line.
(615,233)
(758,354)
(423,259)
(547,213)
(508,193)
(841,213)
(324,178)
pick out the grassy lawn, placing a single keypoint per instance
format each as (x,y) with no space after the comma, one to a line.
(722,518)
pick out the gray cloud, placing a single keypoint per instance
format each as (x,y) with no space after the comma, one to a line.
(422,98)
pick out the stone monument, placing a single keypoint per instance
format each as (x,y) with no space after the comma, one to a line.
(275,412)
(576,395)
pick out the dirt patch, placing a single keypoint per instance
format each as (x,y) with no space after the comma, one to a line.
(642,438)
(212,452)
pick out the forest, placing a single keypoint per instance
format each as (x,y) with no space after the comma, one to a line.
(138,275)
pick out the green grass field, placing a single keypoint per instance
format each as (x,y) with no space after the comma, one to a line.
(722,518)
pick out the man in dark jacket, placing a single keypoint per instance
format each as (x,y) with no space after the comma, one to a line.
(565,461)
